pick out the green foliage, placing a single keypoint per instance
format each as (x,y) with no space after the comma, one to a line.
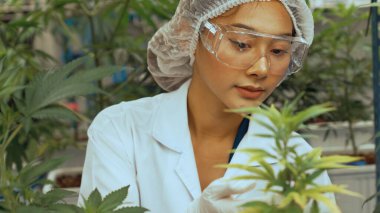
(339,59)
(47,88)
(115,39)
(32,119)
(96,204)
(16,43)
(26,109)
(293,186)
(28,106)
(16,189)
(20,194)
(29,96)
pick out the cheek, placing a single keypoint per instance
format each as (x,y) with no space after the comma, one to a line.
(275,80)
(213,71)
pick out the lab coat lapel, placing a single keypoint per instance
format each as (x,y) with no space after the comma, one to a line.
(187,171)
(251,140)
(170,128)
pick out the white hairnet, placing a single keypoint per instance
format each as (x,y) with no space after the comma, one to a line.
(171,49)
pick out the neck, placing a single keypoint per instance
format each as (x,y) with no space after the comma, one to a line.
(207,117)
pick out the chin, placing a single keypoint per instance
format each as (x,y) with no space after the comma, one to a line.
(246,104)
(250,105)
(236,102)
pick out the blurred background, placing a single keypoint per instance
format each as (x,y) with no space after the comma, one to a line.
(62,61)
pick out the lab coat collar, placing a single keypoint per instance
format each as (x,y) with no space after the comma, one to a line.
(170,125)
(174,130)
(171,129)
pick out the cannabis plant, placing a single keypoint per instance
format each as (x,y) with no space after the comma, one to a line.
(293,186)
(22,194)
(25,106)
(96,204)
(28,108)
(116,32)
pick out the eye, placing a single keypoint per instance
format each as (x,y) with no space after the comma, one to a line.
(240,45)
(279,52)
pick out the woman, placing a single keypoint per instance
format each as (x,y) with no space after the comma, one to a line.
(212,56)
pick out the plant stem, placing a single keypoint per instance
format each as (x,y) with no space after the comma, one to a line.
(6,193)
(100,99)
(3,155)
(346,96)
(352,137)
(119,21)
(3,39)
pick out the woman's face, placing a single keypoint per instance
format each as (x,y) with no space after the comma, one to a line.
(236,88)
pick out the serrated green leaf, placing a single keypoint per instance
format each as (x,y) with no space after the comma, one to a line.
(332,166)
(54,196)
(333,189)
(31,172)
(94,200)
(131,210)
(312,112)
(269,127)
(315,153)
(255,151)
(30,209)
(315,174)
(321,198)
(7,91)
(55,112)
(256,158)
(94,74)
(256,170)
(58,93)
(339,159)
(45,82)
(256,204)
(268,168)
(249,177)
(293,197)
(114,199)
(314,207)
(65,208)
(265,135)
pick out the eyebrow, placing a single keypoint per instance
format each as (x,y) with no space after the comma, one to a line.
(253,29)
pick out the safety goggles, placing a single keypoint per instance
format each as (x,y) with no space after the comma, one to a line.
(241,48)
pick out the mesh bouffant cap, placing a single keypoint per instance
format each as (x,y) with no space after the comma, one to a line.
(171,49)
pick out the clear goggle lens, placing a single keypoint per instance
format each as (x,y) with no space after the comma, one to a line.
(241,48)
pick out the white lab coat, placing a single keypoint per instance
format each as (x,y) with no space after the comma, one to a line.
(146,144)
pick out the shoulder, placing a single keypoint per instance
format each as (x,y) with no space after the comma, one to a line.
(116,129)
(127,114)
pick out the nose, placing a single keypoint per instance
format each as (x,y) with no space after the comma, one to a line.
(260,68)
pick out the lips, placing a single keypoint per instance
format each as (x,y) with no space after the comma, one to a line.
(249,92)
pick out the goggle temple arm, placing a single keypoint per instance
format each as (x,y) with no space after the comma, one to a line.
(209,33)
